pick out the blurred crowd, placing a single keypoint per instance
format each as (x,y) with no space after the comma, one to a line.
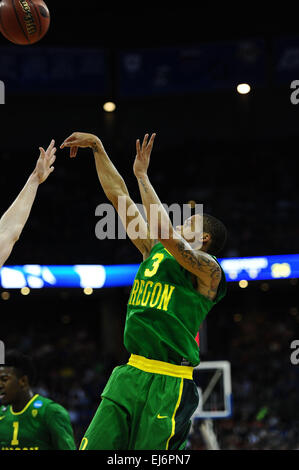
(265,386)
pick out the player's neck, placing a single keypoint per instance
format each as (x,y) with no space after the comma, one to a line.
(20,403)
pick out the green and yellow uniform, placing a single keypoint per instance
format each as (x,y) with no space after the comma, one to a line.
(41,425)
(148,403)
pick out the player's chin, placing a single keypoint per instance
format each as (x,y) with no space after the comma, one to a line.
(4,399)
(189,238)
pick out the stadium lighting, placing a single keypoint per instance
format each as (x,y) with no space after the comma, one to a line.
(243,283)
(88,290)
(243,88)
(109,107)
(5,295)
(25,291)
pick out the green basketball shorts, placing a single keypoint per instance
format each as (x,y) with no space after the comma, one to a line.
(146,405)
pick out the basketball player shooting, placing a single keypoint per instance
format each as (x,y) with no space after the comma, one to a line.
(147,403)
(14,219)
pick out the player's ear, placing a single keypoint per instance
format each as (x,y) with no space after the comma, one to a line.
(205,237)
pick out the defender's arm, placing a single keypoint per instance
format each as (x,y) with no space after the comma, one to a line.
(14,219)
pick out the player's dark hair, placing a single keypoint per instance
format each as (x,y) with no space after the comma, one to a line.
(22,364)
(218,233)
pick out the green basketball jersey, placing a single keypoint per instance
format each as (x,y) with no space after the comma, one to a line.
(165,311)
(41,425)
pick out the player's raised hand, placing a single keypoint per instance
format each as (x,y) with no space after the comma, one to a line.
(143,153)
(83,140)
(45,161)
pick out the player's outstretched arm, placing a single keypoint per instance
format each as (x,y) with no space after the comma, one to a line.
(114,187)
(199,263)
(14,219)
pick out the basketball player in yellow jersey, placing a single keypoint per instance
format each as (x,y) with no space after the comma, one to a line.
(14,219)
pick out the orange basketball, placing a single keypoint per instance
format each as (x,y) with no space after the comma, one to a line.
(24,21)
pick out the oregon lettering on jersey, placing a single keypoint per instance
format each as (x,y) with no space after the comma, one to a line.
(152,294)
(19,448)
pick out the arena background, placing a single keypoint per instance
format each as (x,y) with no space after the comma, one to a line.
(236,154)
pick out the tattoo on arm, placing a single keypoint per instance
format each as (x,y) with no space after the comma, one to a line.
(196,261)
(204,264)
(215,279)
(143,185)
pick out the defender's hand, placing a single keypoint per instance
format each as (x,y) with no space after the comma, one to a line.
(44,163)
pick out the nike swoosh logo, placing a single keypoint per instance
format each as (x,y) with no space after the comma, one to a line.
(161,417)
(2,417)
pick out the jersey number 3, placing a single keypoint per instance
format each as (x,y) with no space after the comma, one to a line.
(158,257)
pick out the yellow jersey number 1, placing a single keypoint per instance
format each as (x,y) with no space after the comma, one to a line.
(15,441)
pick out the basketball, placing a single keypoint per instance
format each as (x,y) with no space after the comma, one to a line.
(24,22)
